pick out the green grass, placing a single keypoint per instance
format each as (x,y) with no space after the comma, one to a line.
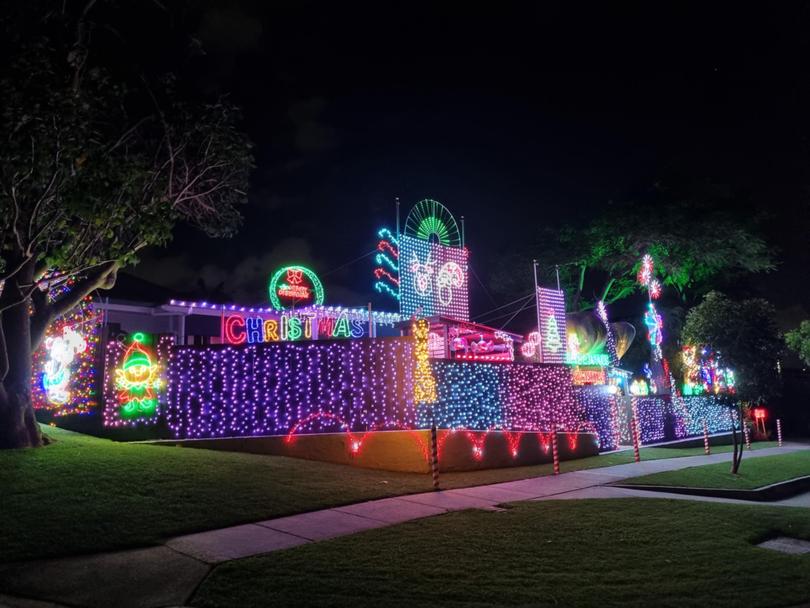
(83,494)
(620,552)
(754,473)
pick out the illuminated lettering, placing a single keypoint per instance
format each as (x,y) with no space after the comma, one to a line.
(308,325)
(325,327)
(234,330)
(341,329)
(358,328)
(271,330)
(254,328)
(294,331)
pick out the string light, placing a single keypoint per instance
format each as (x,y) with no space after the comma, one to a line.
(691,411)
(258,389)
(513,397)
(652,414)
(703,372)
(599,408)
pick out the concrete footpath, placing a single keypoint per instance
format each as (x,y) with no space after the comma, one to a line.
(168,575)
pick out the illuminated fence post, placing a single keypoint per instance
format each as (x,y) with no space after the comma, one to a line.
(706,448)
(555,455)
(434,453)
(634,430)
(779,432)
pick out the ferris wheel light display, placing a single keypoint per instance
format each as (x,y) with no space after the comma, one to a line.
(430,221)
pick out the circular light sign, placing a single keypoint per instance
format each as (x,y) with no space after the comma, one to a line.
(292,286)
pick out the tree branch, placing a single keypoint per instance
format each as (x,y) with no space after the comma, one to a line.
(607,289)
(16,269)
(102,278)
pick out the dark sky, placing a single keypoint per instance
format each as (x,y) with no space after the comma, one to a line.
(513,115)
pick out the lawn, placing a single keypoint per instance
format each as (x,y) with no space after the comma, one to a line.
(621,552)
(83,494)
(754,473)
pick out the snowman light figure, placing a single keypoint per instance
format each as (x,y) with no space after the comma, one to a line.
(61,352)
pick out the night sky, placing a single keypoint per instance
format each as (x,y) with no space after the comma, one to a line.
(513,116)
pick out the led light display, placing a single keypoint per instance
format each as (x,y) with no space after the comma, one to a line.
(433,279)
(429,220)
(62,350)
(271,389)
(530,349)
(610,340)
(600,411)
(646,277)
(639,387)
(424,384)
(64,375)
(514,397)
(602,359)
(478,343)
(681,417)
(692,411)
(654,325)
(387,271)
(311,323)
(704,373)
(135,379)
(651,413)
(552,325)
(357,386)
(293,286)
(588,375)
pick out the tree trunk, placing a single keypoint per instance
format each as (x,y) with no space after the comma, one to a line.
(739,455)
(735,463)
(18,426)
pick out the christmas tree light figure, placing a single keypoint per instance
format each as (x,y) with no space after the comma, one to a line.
(552,338)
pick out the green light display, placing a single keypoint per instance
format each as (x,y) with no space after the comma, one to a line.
(601,359)
(429,220)
(289,283)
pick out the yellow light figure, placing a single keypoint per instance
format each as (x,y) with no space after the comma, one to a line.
(424,384)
